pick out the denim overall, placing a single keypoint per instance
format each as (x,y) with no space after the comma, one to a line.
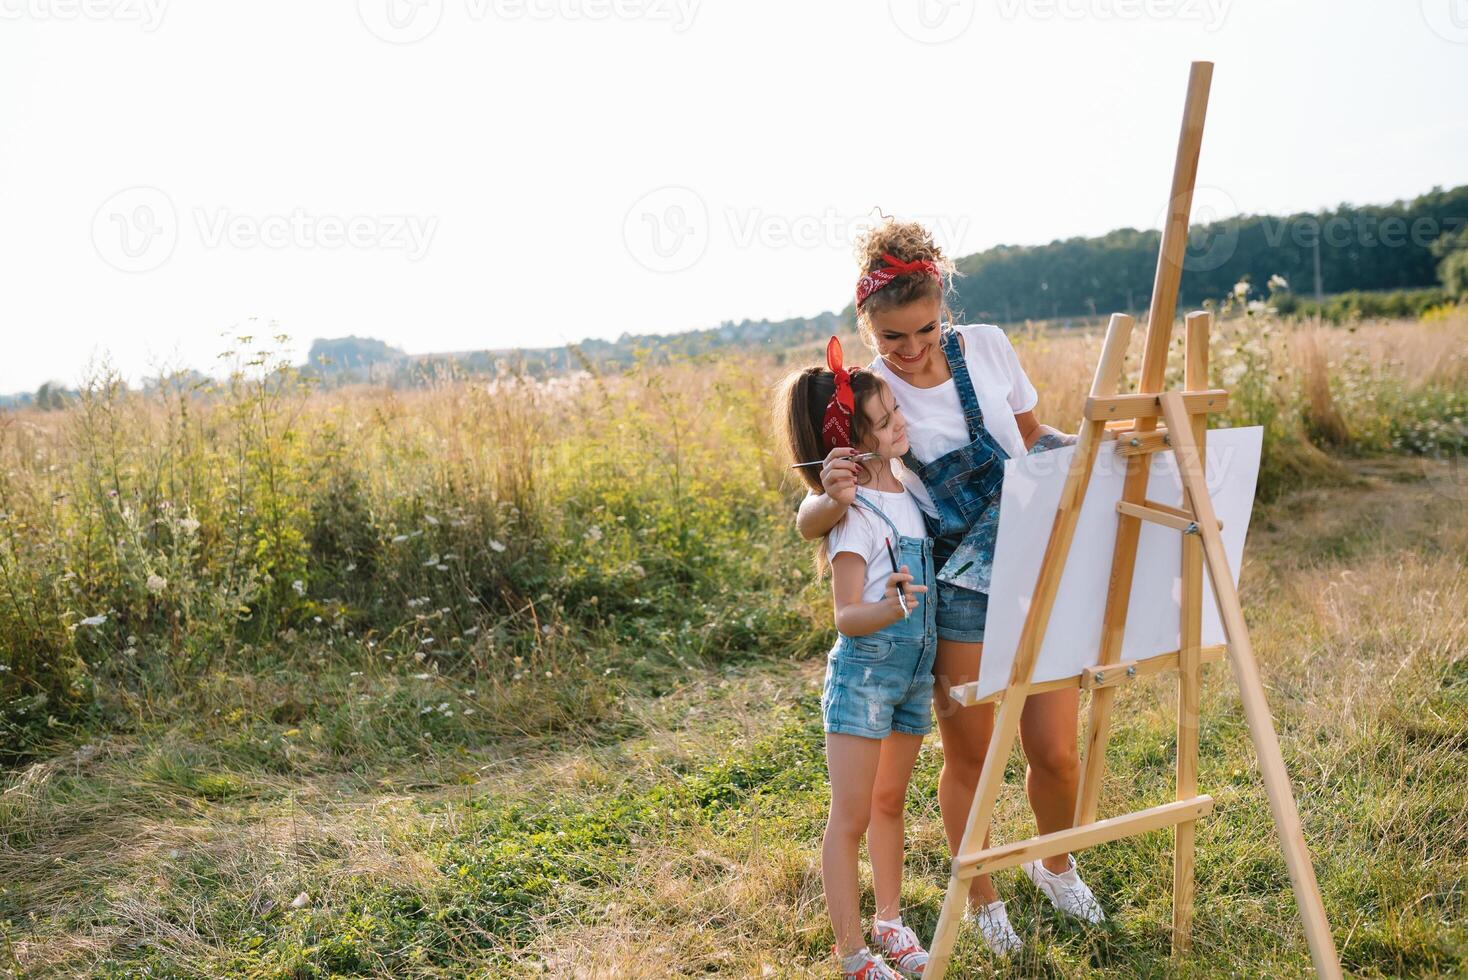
(883,682)
(964,485)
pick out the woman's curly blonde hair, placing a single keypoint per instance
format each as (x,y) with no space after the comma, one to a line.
(907,241)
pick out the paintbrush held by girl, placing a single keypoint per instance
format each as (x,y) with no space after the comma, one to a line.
(878,694)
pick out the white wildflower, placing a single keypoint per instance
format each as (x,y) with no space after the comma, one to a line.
(431,519)
(299,586)
(1241,289)
(495,545)
(189,525)
(156,583)
(1278,281)
(96,620)
(399,538)
(593,534)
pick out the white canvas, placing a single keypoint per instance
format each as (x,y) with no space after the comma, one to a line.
(1031,494)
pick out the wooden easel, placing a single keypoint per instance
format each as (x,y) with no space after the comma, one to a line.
(1133,418)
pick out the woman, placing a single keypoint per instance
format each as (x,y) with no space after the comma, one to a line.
(968,406)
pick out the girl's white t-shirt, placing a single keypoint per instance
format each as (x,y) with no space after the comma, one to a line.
(864,534)
(935,422)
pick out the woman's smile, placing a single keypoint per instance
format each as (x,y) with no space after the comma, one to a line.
(913,360)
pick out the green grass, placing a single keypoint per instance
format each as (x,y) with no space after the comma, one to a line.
(677,830)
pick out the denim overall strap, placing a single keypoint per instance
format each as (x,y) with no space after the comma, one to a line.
(876,509)
(967,397)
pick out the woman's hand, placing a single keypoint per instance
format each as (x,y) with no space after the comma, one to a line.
(838,475)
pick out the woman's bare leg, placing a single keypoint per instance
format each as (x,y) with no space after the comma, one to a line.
(965,734)
(1047,731)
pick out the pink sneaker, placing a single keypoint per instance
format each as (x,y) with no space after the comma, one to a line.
(900,946)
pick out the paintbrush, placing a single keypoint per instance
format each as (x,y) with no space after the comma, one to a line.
(858,458)
(901,599)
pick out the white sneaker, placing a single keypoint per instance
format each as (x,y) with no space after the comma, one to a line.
(993,923)
(1066,891)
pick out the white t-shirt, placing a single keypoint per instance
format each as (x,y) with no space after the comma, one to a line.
(863,533)
(935,422)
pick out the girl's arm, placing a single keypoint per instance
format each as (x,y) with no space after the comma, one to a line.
(824,511)
(857,618)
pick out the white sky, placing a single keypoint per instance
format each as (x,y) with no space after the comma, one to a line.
(509,166)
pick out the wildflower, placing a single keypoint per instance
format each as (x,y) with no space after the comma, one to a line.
(351,566)
(593,534)
(434,560)
(1278,281)
(431,519)
(189,525)
(399,538)
(496,546)
(299,586)
(156,583)
(1241,289)
(96,620)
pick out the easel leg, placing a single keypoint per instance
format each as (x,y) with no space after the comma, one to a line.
(1195,378)
(1251,692)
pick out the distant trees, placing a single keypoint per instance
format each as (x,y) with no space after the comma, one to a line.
(1402,245)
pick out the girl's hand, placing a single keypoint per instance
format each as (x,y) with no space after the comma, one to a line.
(901,580)
(838,475)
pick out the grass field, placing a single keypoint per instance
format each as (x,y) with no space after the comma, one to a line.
(482,681)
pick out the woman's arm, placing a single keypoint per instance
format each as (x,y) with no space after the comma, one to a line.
(824,511)
(1031,429)
(857,618)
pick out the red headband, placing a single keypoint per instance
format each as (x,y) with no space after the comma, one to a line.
(836,426)
(879,278)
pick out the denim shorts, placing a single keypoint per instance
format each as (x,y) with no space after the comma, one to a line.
(877,685)
(961,613)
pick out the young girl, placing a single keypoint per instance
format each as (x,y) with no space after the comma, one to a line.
(878,694)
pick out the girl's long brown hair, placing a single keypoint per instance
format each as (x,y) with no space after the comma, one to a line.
(800,410)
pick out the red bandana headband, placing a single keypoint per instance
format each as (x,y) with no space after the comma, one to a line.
(880,278)
(836,426)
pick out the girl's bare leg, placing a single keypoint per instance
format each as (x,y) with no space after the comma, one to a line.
(886,833)
(852,762)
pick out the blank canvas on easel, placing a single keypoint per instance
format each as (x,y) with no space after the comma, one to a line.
(1032,488)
